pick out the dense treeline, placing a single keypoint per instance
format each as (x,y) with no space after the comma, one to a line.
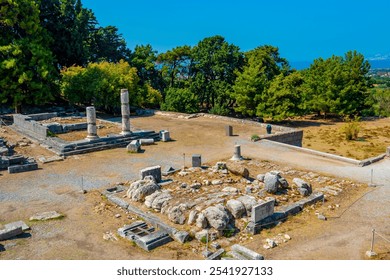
(56,49)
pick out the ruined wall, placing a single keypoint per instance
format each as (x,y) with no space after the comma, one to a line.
(30,127)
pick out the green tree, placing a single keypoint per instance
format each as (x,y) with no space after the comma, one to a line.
(144,59)
(175,66)
(262,65)
(71,27)
(214,66)
(100,84)
(180,100)
(282,98)
(337,85)
(105,44)
(27,67)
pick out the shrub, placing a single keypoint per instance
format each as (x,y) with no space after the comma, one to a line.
(219,110)
(255,137)
(351,129)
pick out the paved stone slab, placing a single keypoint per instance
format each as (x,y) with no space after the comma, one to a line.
(262,210)
(21,224)
(10,232)
(46,216)
(249,254)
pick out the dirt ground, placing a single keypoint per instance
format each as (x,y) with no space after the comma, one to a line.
(328,136)
(79,235)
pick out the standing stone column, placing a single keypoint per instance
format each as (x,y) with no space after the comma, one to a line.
(91,122)
(237,153)
(125,112)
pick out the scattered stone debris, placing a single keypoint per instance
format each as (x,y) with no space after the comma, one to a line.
(109,236)
(10,232)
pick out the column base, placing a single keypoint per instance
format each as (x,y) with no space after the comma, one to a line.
(126,133)
(236,158)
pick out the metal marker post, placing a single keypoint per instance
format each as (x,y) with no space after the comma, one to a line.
(184,161)
(372,241)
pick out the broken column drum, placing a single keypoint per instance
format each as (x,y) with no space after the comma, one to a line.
(125,109)
(91,122)
(237,153)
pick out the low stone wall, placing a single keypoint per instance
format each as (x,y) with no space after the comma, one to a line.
(43,116)
(30,127)
(290,137)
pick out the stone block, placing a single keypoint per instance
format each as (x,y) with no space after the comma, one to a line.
(22,168)
(313,198)
(291,209)
(154,171)
(164,135)
(262,211)
(229,130)
(21,224)
(54,128)
(16,159)
(196,161)
(249,254)
(10,232)
(216,255)
(4,151)
(153,240)
(134,146)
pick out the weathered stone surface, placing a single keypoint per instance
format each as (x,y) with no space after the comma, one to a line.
(271,182)
(134,146)
(22,168)
(260,177)
(283,183)
(154,171)
(153,240)
(237,153)
(46,216)
(21,224)
(150,198)
(249,202)
(181,236)
(291,209)
(229,130)
(192,217)
(249,254)
(141,188)
(201,221)
(230,190)
(238,170)
(236,207)
(10,232)
(262,210)
(216,217)
(304,188)
(164,135)
(313,198)
(196,161)
(216,182)
(161,200)
(216,255)
(176,214)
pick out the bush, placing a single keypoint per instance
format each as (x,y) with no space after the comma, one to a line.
(255,137)
(219,110)
(351,129)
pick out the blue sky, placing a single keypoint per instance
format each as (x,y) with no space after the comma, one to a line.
(302,29)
